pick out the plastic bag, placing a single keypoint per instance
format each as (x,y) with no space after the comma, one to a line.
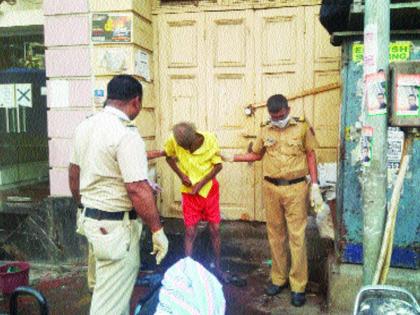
(324,221)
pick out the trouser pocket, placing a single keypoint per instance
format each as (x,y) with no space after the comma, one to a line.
(110,239)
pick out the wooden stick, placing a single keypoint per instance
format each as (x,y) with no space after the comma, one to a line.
(313,91)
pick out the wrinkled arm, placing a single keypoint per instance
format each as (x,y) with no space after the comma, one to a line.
(141,195)
(216,169)
(153,154)
(74,182)
(255,152)
(248,157)
(172,163)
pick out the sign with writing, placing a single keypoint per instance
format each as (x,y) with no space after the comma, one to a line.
(398,51)
(395,146)
(375,95)
(142,65)
(407,96)
(370,56)
(24,94)
(111,28)
(7,96)
(59,93)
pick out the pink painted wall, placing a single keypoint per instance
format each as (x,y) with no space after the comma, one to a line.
(66,30)
(59,183)
(67,58)
(51,7)
(59,152)
(67,62)
(61,124)
(79,94)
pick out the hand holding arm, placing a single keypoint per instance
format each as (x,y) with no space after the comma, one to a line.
(197,187)
(184,178)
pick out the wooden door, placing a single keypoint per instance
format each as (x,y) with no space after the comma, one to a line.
(212,64)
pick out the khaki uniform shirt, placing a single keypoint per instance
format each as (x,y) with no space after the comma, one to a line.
(110,152)
(285,149)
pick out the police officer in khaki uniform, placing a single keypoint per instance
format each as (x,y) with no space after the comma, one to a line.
(286,147)
(108,176)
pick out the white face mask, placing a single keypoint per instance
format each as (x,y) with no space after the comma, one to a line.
(280,123)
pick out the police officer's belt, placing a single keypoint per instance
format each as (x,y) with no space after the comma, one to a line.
(106,215)
(284,182)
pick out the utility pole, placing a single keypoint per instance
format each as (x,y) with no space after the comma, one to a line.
(374,176)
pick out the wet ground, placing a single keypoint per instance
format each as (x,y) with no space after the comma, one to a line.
(66,290)
(67,293)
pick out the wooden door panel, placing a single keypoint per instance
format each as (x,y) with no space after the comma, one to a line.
(230,87)
(279,67)
(181,89)
(322,63)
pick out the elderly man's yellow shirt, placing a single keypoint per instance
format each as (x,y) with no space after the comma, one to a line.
(198,164)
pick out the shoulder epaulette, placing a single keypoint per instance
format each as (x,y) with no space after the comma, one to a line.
(128,123)
(300,118)
(265,123)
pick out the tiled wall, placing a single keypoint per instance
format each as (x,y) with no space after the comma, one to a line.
(74,72)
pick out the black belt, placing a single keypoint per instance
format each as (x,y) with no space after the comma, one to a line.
(106,215)
(284,182)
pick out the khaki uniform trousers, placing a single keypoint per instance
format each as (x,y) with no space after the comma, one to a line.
(286,214)
(91,272)
(117,262)
(91,276)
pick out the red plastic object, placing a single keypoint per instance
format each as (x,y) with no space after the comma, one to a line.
(9,281)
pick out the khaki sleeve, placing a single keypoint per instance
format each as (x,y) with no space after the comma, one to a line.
(216,159)
(169,147)
(310,141)
(258,145)
(132,159)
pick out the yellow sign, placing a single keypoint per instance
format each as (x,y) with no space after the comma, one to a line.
(398,51)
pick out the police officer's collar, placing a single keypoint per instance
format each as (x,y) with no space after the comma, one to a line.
(115,111)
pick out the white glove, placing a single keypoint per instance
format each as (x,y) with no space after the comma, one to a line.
(160,245)
(227,157)
(316,197)
(79,220)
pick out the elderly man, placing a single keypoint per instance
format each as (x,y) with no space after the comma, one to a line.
(108,178)
(195,157)
(286,147)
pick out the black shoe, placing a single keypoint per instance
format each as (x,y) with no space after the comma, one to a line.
(273,289)
(298,299)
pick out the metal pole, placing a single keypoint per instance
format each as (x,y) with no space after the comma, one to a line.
(374,176)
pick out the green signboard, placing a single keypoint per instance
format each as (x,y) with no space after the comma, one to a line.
(398,51)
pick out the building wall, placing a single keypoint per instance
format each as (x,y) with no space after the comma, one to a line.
(77,68)
(21,14)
